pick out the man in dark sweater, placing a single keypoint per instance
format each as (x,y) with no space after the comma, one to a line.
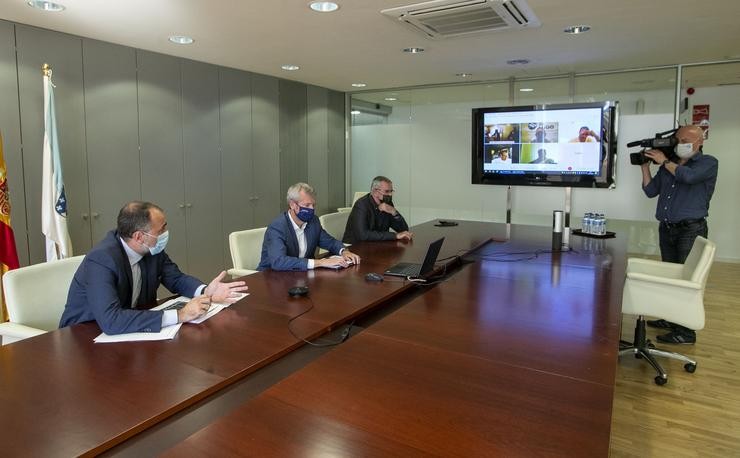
(373,215)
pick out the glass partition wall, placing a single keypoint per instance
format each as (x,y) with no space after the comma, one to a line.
(710,96)
(421,139)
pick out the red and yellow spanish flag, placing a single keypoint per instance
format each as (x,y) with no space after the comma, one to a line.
(8,253)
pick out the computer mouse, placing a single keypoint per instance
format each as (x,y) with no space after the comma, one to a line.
(372,276)
(298,291)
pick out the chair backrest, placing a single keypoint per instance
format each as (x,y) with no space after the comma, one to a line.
(699,261)
(35,295)
(246,248)
(334,223)
(358,195)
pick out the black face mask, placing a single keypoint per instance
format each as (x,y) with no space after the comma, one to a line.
(387,200)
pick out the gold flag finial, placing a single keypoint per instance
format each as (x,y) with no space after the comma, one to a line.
(46,70)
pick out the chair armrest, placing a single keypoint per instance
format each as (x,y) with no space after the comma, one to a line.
(663,280)
(236,273)
(12,332)
(652,267)
(344,209)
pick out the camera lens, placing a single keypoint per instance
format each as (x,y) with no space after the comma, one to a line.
(638,158)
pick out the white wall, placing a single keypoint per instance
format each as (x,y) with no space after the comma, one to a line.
(426,150)
(724,144)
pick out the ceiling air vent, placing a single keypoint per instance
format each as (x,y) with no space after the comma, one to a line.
(452,18)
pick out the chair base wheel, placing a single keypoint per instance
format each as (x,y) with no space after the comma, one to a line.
(642,348)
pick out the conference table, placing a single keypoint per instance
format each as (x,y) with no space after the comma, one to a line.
(509,349)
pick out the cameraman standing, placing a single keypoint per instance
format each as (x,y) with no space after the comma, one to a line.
(684,189)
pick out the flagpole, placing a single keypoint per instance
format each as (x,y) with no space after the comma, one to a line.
(46,70)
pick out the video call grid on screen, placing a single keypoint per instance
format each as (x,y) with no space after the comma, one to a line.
(543,142)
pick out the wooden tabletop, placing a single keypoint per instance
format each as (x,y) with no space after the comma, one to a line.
(514,355)
(62,394)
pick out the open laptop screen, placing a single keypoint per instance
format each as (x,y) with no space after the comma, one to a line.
(405,269)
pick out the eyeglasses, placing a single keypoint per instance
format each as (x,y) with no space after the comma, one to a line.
(386,192)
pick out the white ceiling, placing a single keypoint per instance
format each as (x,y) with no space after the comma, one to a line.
(358,44)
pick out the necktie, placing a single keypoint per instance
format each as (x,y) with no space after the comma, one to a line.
(136,284)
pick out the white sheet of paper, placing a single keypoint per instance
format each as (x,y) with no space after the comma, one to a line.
(166,333)
(215,307)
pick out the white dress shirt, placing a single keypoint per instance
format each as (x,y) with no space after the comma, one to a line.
(300,233)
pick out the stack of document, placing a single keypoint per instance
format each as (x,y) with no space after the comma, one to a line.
(168,332)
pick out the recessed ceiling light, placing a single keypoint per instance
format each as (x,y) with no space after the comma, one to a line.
(290,68)
(413,50)
(359,84)
(46,6)
(181,40)
(323,7)
(575,29)
(355,112)
(464,75)
(517,61)
(390,99)
(526,89)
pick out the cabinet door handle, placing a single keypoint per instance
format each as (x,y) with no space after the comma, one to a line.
(85,216)
(95,215)
(189,205)
(181,206)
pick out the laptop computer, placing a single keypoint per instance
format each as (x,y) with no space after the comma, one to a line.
(406,269)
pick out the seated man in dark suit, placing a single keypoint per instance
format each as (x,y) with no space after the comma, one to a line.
(291,239)
(125,269)
(373,215)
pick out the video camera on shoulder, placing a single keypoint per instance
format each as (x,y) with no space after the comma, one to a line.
(663,141)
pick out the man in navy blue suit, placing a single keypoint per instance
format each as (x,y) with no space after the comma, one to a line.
(291,239)
(125,269)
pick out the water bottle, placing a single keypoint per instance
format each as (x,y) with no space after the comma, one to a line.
(603,224)
(599,224)
(586,223)
(593,226)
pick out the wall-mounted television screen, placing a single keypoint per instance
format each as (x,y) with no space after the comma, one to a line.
(546,145)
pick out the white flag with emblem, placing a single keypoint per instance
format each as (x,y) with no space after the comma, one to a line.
(53,199)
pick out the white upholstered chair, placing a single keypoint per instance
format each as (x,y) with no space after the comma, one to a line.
(334,223)
(246,250)
(35,297)
(674,292)
(358,195)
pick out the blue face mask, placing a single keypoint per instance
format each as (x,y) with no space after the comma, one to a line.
(305,214)
(161,242)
